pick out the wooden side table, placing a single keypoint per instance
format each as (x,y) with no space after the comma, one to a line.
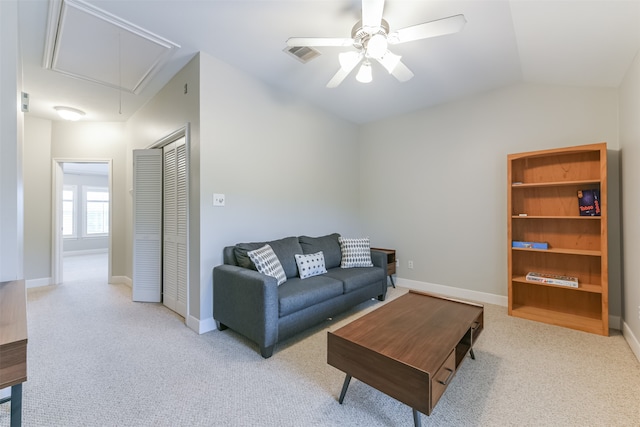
(391,262)
(13,344)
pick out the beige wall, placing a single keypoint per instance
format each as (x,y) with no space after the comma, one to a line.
(630,149)
(37,200)
(433,183)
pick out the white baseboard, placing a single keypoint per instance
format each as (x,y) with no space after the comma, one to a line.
(86,252)
(450,291)
(37,283)
(121,280)
(632,340)
(201,326)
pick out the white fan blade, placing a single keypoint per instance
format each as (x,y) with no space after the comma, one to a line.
(372,13)
(319,41)
(439,27)
(389,61)
(343,72)
(402,72)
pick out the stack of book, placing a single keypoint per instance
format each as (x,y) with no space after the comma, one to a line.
(553,279)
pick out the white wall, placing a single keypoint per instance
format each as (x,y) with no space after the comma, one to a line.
(630,149)
(37,199)
(286,168)
(11,146)
(433,183)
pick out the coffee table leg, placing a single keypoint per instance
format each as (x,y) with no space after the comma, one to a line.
(347,379)
(417,422)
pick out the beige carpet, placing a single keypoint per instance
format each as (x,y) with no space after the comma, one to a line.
(98,359)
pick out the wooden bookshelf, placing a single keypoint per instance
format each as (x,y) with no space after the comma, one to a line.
(542,204)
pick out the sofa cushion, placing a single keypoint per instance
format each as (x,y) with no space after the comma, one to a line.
(285,249)
(356,278)
(329,246)
(355,252)
(297,294)
(267,263)
(310,265)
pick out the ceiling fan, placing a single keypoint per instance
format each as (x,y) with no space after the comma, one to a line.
(371,37)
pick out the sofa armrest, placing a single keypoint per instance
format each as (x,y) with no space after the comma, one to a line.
(247,302)
(379,259)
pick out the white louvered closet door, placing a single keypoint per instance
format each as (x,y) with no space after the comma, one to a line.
(174,276)
(147,225)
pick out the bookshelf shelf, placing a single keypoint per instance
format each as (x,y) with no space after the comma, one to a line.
(544,186)
(561,251)
(582,287)
(558,318)
(580,218)
(555,183)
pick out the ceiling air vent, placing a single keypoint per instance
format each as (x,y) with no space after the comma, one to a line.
(303,54)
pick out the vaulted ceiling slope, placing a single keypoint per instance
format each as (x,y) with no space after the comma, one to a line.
(564,42)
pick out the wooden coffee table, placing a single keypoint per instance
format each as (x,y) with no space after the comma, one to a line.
(409,348)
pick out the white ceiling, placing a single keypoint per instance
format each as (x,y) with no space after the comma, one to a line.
(565,42)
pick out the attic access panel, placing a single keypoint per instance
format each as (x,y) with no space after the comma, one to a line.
(91,44)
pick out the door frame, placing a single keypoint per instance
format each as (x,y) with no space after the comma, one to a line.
(57,240)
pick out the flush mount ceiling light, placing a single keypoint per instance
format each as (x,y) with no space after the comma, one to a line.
(69,113)
(371,38)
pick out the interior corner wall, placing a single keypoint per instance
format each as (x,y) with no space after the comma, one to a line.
(630,152)
(99,141)
(286,168)
(37,199)
(439,195)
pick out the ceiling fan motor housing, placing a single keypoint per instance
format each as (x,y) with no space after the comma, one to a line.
(361,35)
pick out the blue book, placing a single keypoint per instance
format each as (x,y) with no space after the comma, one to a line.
(529,245)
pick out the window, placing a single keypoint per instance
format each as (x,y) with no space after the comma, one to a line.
(96,211)
(69,202)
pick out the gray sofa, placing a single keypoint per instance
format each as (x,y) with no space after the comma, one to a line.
(253,304)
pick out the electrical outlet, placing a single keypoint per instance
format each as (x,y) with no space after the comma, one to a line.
(397,263)
(410,264)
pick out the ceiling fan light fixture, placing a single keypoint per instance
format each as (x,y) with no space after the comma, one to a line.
(377,46)
(68,113)
(364,73)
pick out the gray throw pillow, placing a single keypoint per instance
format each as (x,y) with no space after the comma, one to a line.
(329,246)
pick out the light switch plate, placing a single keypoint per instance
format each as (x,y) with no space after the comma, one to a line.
(218,199)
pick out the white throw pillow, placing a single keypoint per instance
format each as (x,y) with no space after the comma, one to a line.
(311,264)
(355,252)
(267,262)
